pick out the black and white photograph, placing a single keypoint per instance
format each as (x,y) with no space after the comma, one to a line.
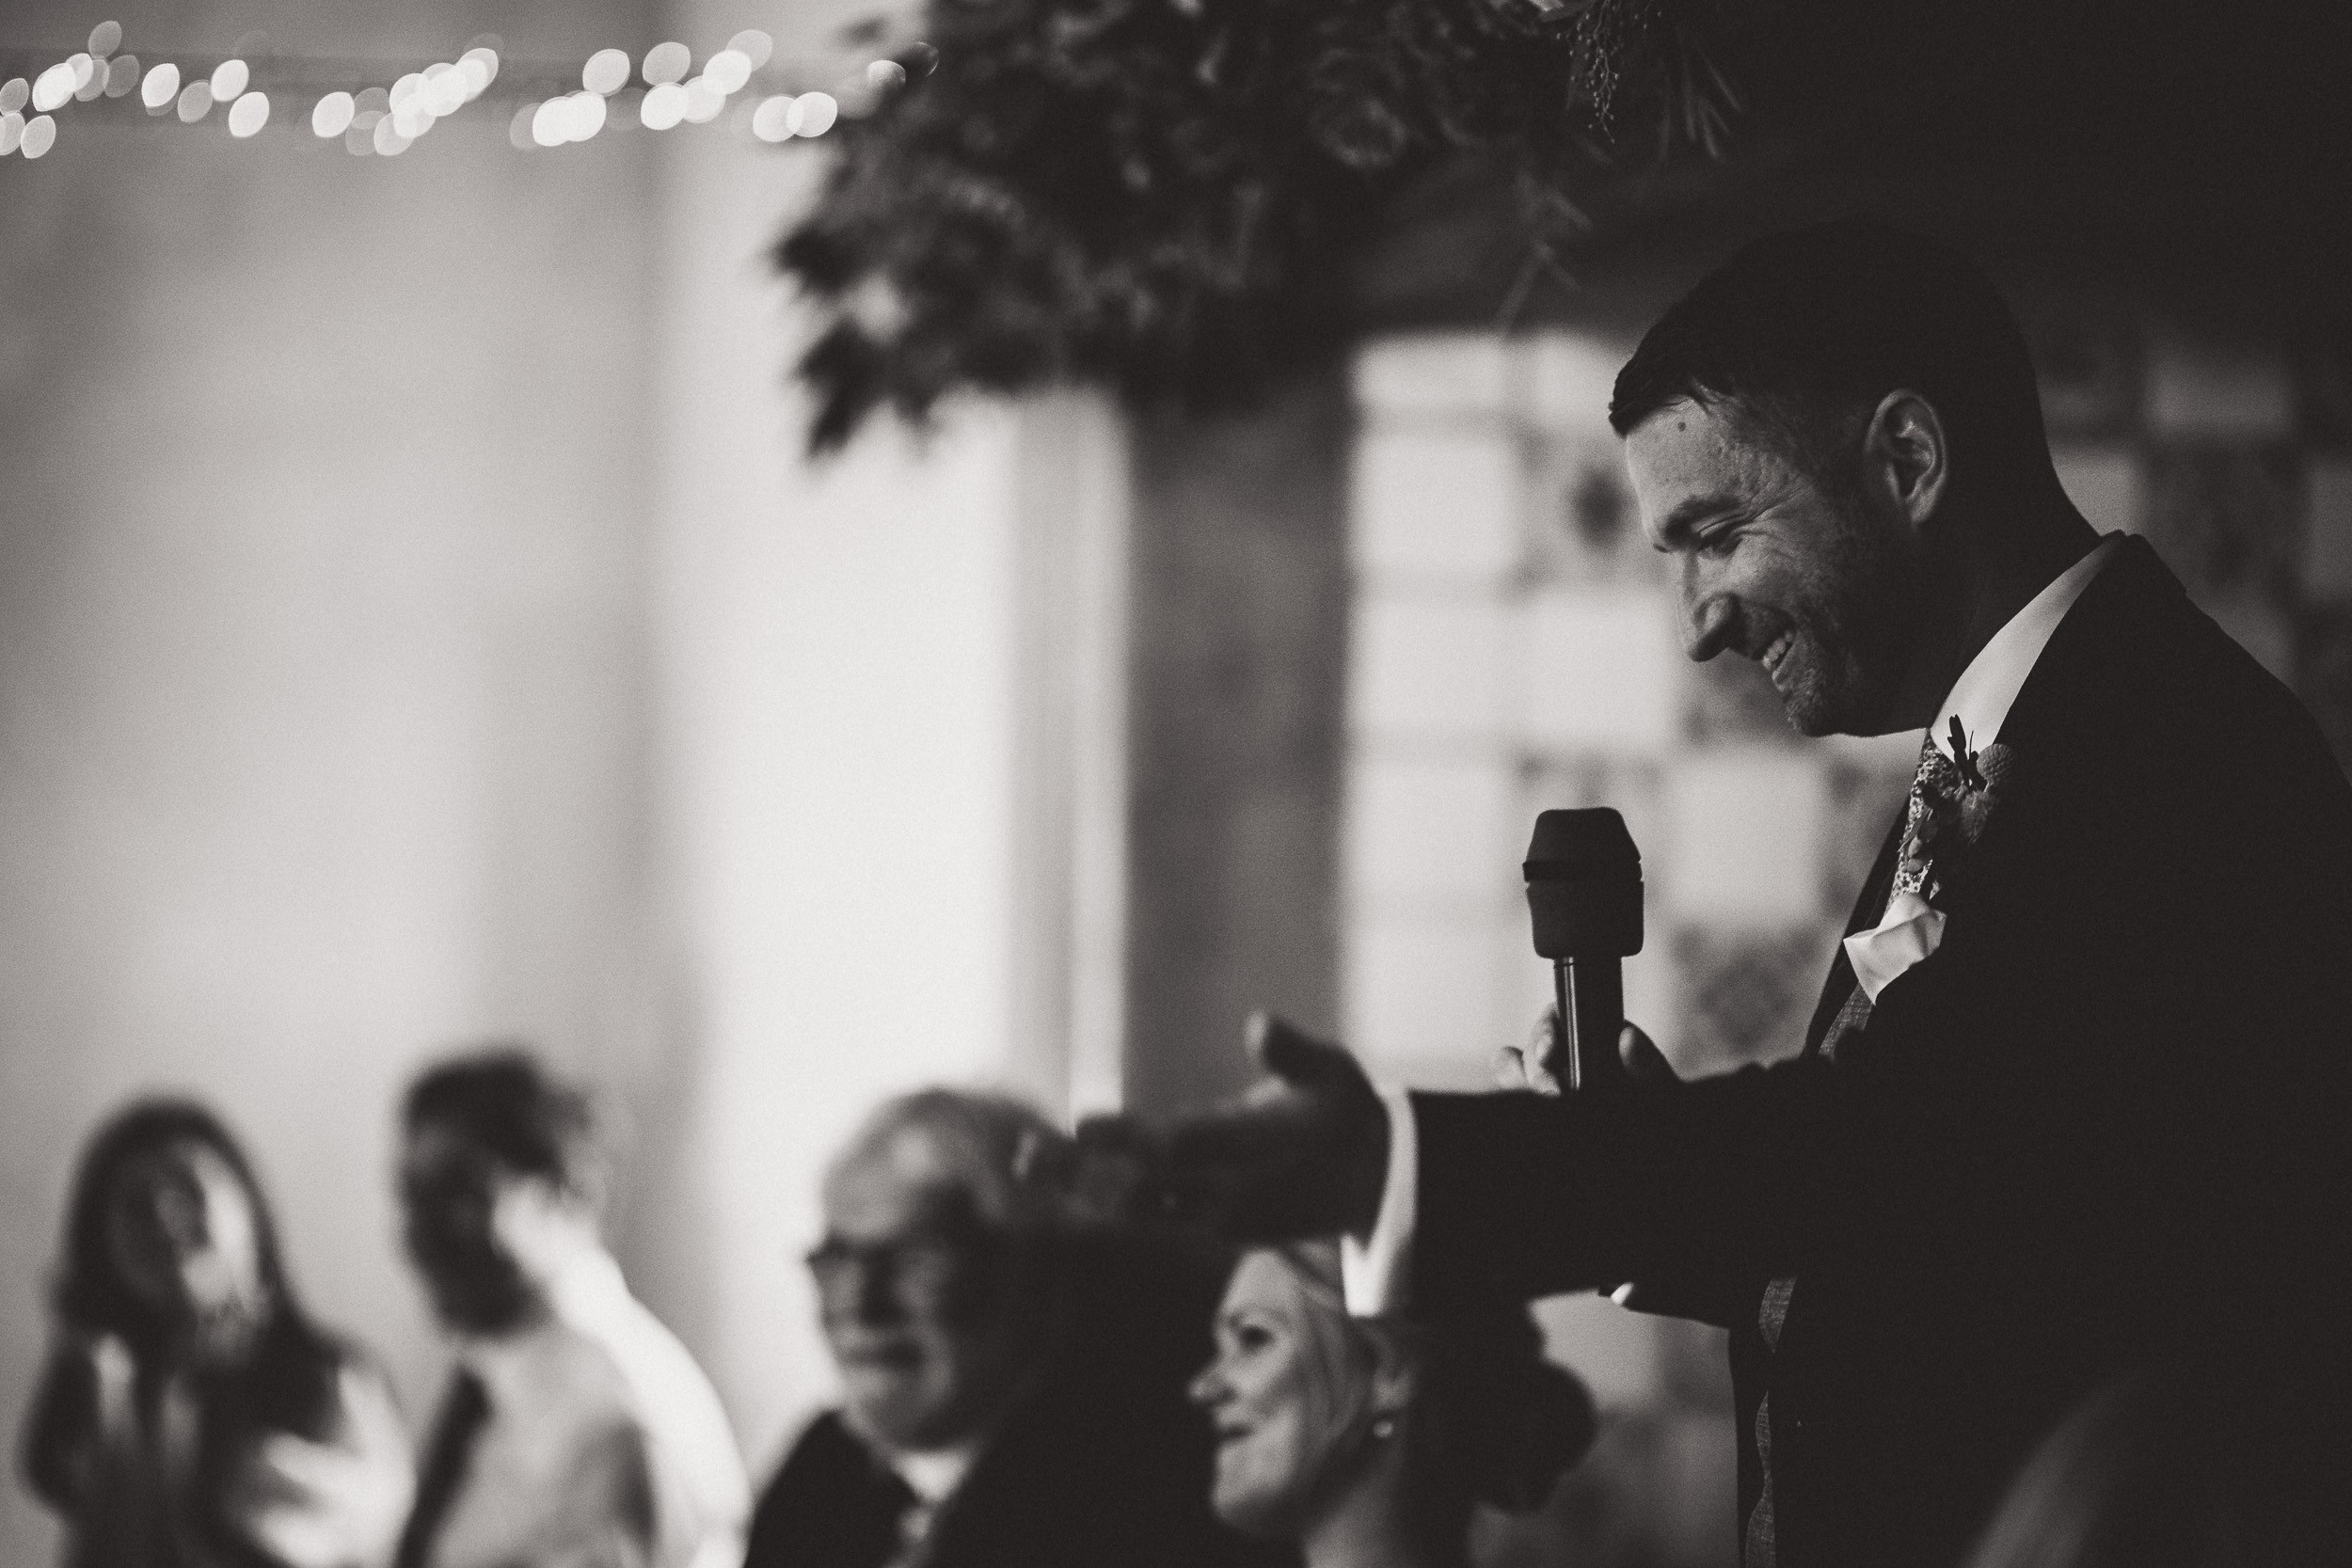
(1175,783)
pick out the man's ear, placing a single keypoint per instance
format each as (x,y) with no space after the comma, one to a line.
(1907,457)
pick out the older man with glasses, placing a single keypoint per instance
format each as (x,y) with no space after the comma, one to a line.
(1012,1369)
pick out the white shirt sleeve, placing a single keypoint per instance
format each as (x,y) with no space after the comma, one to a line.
(1372,1270)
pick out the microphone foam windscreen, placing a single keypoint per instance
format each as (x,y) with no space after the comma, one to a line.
(1583,885)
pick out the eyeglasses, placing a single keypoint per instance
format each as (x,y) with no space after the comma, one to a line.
(918,1270)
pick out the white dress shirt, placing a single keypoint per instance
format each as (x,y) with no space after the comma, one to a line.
(588,1409)
(1373,1272)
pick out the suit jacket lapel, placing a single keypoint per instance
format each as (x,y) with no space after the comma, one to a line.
(1867,908)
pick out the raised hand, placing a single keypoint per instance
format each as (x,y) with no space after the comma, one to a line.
(1303,1154)
(336,1504)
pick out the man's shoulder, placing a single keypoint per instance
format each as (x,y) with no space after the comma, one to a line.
(831,1504)
(827,1447)
(564,1375)
(2143,698)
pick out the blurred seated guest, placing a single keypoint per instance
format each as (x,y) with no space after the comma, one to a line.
(191,1415)
(1013,1362)
(2181,1467)
(576,1431)
(1368,1441)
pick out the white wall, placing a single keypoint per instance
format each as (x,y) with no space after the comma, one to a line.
(322,691)
(417,623)
(833,656)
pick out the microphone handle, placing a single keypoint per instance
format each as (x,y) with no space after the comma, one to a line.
(1590,994)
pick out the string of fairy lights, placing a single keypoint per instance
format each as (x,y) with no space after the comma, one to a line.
(552,106)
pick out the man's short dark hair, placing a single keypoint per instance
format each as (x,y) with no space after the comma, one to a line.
(1801,334)
(503,1103)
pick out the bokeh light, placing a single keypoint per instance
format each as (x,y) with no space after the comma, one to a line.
(772,120)
(703,100)
(606,72)
(444,91)
(53,87)
(41,134)
(813,114)
(560,120)
(663,107)
(728,69)
(248,114)
(160,86)
(921,59)
(666,63)
(583,114)
(11,131)
(381,121)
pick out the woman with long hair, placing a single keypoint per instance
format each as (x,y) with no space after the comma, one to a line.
(191,1415)
(1369,1442)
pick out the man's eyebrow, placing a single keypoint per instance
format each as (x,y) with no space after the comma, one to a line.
(1674,531)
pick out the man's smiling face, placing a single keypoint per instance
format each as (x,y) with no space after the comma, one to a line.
(1802,577)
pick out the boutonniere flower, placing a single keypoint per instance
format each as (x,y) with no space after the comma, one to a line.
(1953,798)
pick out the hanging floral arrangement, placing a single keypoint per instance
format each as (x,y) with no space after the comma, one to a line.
(1159,196)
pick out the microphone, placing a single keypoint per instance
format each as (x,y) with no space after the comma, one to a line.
(1584,899)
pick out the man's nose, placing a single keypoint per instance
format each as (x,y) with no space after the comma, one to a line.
(1709,617)
(875,1299)
(1207,1389)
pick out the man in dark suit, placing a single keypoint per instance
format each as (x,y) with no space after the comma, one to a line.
(2074,1094)
(1013,1364)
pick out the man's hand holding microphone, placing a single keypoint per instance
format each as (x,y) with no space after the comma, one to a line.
(1306,1152)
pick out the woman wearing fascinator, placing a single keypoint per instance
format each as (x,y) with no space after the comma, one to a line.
(192,1415)
(1369,1441)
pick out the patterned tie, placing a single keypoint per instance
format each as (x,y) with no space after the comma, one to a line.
(1854,1014)
(464,1413)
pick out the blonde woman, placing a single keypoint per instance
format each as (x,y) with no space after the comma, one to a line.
(1369,1442)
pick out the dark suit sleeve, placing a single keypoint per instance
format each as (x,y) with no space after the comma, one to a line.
(2125,1056)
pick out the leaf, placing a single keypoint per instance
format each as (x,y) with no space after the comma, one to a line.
(1964,759)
